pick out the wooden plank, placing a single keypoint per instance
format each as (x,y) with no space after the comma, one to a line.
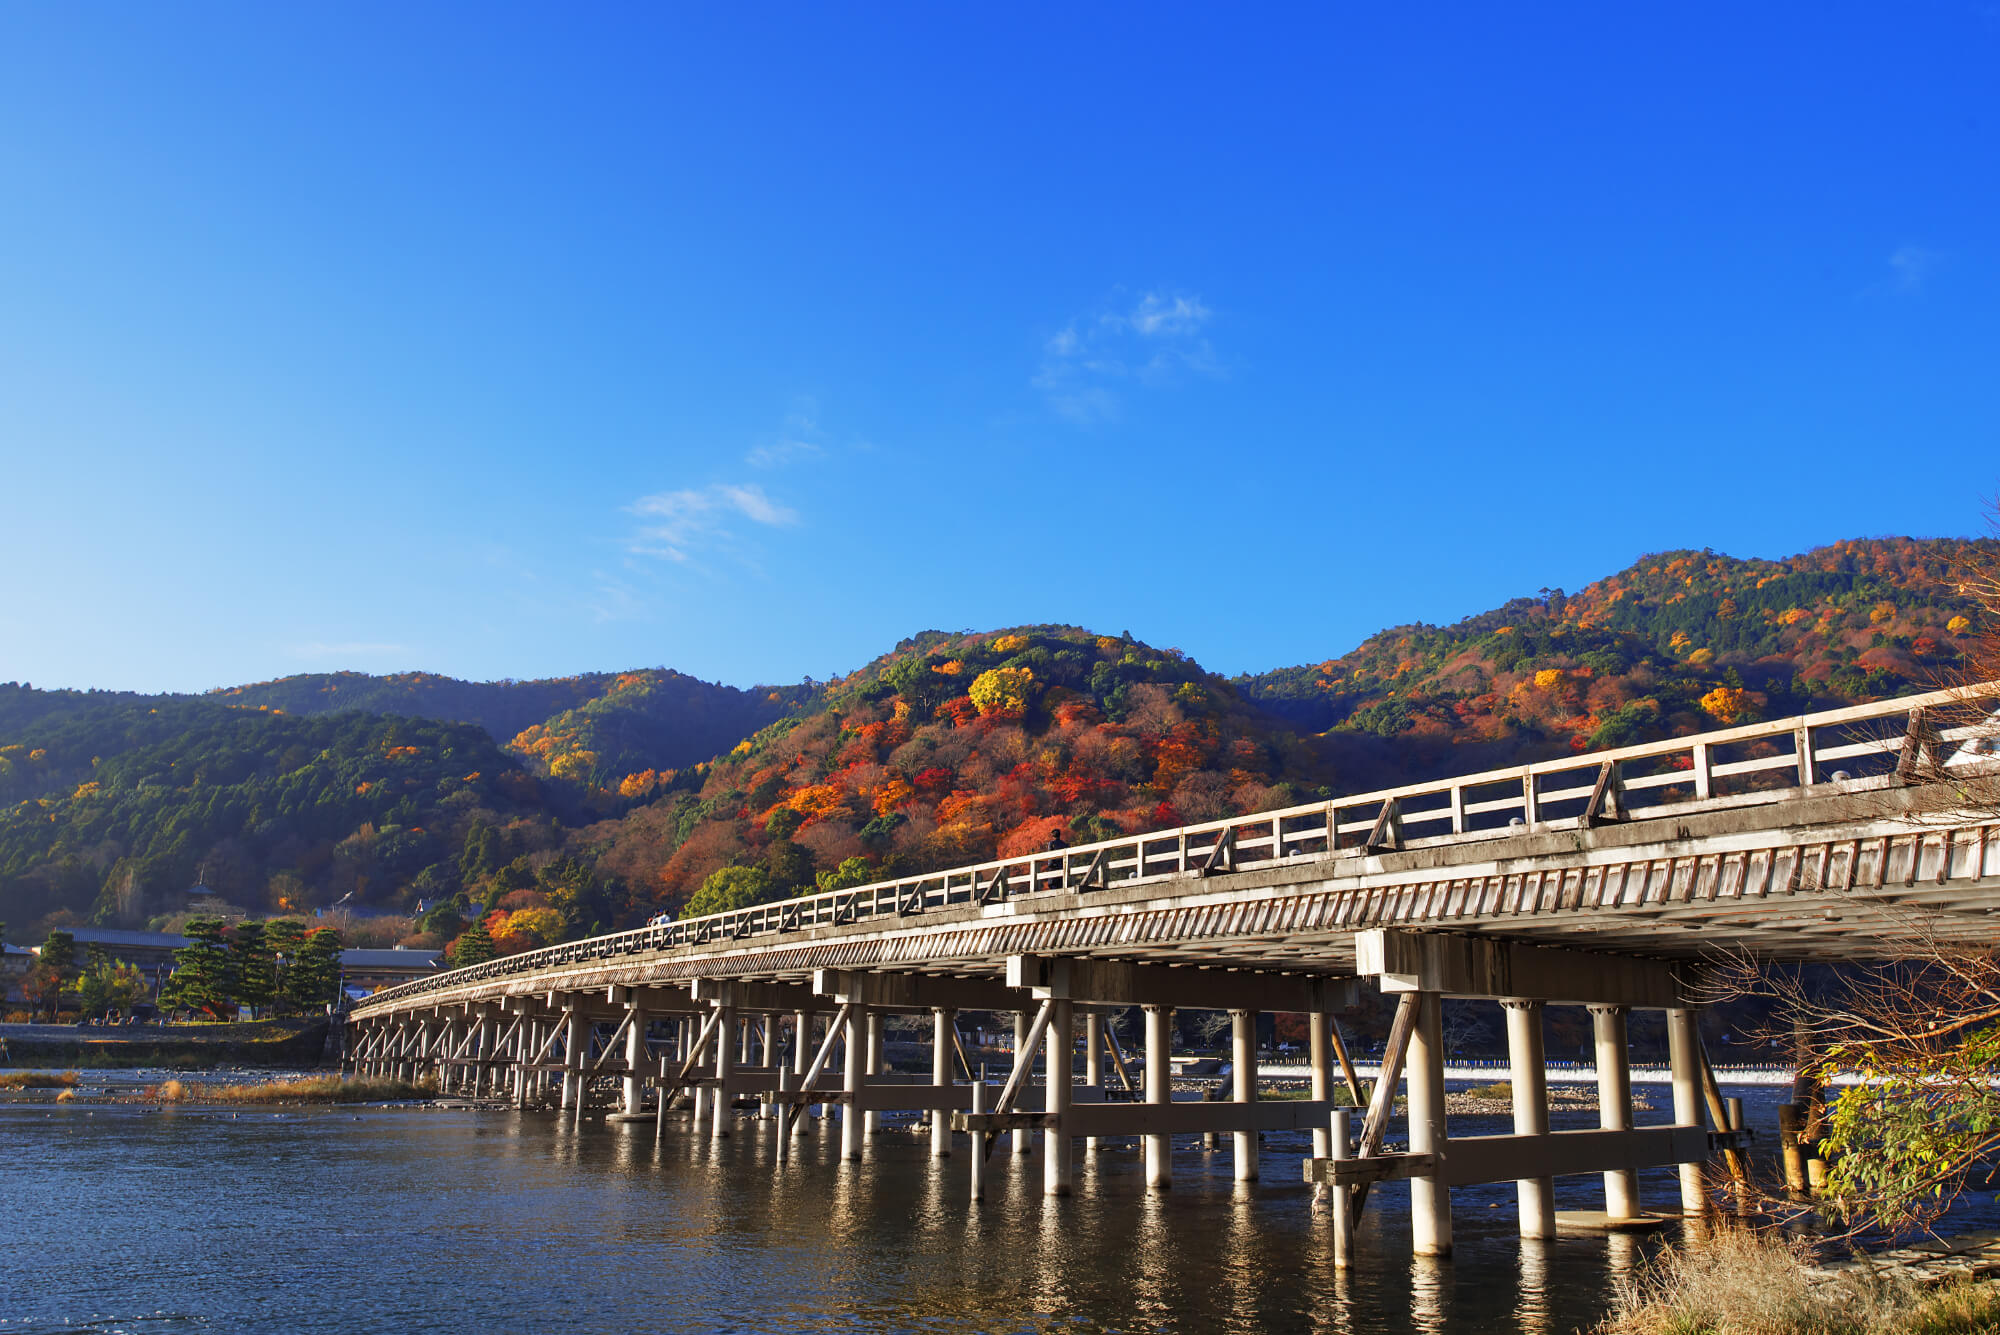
(1476,1160)
(1181,1118)
(1346,1062)
(1603,804)
(834,1030)
(1383,1101)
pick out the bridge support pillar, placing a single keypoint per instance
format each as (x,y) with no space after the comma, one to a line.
(1319,1056)
(873,1067)
(1093,1062)
(1614,1102)
(1058,1149)
(802,1046)
(1023,1140)
(574,1042)
(1528,1073)
(635,1056)
(1243,1078)
(481,1036)
(942,1020)
(854,1061)
(1159,1089)
(1684,1064)
(1430,1198)
(768,1037)
(430,1036)
(530,1044)
(720,1110)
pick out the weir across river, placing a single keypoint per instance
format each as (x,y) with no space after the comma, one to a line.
(1601,880)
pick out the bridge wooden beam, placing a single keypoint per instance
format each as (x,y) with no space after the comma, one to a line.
(1183,1118)
(1476,1160)
(917,991)
(1120,983)
(1483,966)
(747,995)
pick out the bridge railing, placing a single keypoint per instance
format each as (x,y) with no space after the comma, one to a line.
(1857,748)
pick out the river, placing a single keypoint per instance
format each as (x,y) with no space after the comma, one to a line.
(123,1217)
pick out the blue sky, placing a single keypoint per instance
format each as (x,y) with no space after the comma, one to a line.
(522,340)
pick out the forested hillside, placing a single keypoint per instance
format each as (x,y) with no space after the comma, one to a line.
(115,808)
(1678,642)
(956,748)
(542,810)
(597,729)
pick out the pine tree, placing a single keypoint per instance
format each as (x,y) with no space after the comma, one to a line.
(285,937)
(53,971)
(474,946)
(204,973)
(250,954)
(315,979)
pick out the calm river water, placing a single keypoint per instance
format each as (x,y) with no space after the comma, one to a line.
(122,1218)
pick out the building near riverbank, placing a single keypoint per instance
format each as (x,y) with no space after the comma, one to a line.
(363,972)
(15,961)
(152,953)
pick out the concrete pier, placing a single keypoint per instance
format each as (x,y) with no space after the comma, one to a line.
(1243,1063)
(1528,1075)
(1614,1103)
(1430,1197)
(1159,1090)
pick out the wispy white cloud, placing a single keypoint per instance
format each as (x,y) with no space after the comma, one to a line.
(1168,317)
(678,524)
(778,453)
(1911,266)
(798,440)
(1151,341)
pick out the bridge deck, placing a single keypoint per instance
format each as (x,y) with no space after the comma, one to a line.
(1814,837)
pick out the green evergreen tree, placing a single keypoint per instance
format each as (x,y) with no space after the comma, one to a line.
(53,971)
(474,946)
(251,957)
(315,979)
(285,937)
(204,974)
(729,888)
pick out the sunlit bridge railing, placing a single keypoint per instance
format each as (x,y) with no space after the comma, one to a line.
(1853,749)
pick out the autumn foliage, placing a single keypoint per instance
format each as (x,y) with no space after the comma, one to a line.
(531,812)
(960,748)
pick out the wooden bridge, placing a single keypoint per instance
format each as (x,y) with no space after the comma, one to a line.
(1601,880)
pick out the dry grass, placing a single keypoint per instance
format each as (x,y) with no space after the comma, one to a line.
(1738,1282)
(172,1091)
(319,1089)
(38,1080)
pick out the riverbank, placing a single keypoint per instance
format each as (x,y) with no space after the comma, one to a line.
(1743,1280)
(288,1044)
(224,1087)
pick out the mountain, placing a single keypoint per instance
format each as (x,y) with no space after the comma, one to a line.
(955,748)
(552,808)
(1678,642)
(596,728)
(115,807)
